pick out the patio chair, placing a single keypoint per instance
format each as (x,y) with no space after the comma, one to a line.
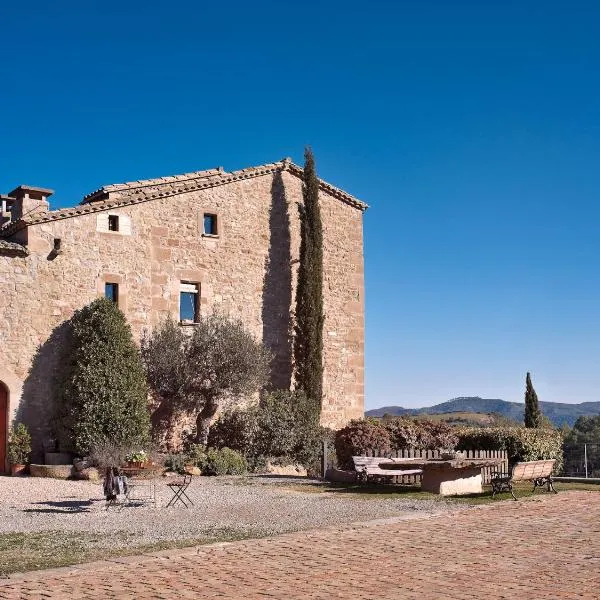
(179,487)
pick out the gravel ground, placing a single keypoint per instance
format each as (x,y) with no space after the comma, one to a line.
(224,506)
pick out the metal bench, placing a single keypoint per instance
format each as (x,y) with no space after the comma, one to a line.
(367,466)
(539,472)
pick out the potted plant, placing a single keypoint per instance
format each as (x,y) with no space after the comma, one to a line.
(19,448)
(137,459)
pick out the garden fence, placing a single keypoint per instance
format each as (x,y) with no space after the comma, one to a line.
(486,472)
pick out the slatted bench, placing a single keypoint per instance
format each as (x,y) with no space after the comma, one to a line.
(367,466)
(539,472)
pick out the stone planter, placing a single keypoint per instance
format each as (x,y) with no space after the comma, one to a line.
(55,471)
(136,464)
(16,470)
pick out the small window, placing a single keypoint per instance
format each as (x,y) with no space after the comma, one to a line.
(188,303)
(113,222)
(210,225)
(111,292)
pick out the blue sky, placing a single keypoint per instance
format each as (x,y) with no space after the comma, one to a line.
(471,128)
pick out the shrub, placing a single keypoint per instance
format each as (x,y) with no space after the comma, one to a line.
(19,444)
(224,461)
(235,429)
(520,443)
(194,454)
(284,427)
(435,435)
(105,397)
(108,454)
(359,436)
(404,432)
(176,463)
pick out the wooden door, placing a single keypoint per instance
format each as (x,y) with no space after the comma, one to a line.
(3,423)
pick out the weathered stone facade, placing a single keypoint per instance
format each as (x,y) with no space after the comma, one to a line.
(52,263)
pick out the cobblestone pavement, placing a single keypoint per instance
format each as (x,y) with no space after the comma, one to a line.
(547,547)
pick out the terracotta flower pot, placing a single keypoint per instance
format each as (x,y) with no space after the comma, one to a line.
(16,470)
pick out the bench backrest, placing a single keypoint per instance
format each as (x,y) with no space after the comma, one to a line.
(525,471)
(370,461)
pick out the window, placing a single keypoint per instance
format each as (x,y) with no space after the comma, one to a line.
(111,292)
(188,302)
(113,222)
(210,225)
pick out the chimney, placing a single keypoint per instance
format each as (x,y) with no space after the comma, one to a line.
(6,203)
(28,200)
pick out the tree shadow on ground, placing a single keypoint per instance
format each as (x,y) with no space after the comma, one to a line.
(62,506)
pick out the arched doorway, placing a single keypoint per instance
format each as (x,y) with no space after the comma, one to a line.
(3,425)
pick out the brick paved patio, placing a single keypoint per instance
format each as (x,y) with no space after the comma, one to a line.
(542,548)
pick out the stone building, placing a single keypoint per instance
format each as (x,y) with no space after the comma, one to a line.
(179,245)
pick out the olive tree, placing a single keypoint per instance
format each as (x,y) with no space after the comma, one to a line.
(195,369)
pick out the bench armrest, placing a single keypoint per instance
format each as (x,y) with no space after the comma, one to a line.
(500,475)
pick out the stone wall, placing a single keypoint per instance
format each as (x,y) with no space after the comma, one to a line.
(248,271)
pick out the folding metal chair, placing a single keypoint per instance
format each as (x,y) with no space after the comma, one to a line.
(178,487)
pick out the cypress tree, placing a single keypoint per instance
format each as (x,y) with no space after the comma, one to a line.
(533,415)
(104,395)
(308,340)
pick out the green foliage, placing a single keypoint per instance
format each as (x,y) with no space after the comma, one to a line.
(195,373)
(521,443)
(176,463)
(359,437)
(533,415)
(19,445)
(284,426)
(224,461)
(308,340)
(104,394)
(235,429)
(585,431)
(194,454)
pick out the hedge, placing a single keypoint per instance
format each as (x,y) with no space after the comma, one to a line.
(365,435)
(520,443)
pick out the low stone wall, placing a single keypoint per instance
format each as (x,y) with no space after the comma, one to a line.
(55,471)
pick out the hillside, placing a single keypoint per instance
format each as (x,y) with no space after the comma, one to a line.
(557,412)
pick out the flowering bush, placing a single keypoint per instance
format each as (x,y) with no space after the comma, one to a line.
(368,435)
(435,435)
(358,437)
(139,456)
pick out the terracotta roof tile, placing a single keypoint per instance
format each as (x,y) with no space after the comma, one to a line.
(12,249)
(98,201)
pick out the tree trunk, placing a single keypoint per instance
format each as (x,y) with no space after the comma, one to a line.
(203,420)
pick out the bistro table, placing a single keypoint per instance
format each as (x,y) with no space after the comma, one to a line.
(452,477)
(141,484)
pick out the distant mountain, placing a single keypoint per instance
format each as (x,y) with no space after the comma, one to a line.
(557,412)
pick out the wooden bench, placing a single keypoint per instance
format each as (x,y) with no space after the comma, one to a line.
(367,466)
(539,472)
